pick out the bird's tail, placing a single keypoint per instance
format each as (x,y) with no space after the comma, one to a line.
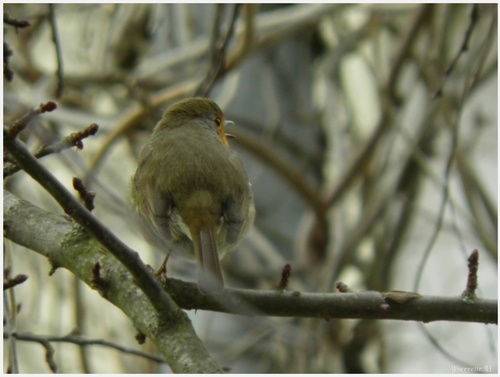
(210,278)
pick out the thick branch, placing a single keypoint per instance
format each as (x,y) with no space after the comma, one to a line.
(67,245)
(360,305)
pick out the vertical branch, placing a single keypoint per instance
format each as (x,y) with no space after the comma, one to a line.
(80,316)
(9,328)
(248,39)
(55,38)
(218,49)
(474,18)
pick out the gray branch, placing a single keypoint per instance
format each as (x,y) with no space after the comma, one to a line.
(67,245)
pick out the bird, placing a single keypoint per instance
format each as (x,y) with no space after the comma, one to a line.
(190,193)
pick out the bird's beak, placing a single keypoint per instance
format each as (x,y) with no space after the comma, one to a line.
(229,123)
(224,136)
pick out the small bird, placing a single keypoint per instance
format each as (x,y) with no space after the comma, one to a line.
(190,191)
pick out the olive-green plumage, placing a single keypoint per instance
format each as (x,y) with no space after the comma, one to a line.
(190,191)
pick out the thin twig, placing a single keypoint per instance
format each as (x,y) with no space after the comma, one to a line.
(248,39)
(474,18)
(7,52)
(80,341)
(218,49)
(80,312)
(49,354)
(14,128)
(404,50)
(442,350)
(455,132)
(57,44)
(49,350)
(72,140)
(9,315)
(440,219)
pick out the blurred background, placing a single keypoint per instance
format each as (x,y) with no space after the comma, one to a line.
(369,134)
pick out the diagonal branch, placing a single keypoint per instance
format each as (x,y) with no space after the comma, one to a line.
(57,44)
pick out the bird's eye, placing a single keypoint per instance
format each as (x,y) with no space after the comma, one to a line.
(218,121)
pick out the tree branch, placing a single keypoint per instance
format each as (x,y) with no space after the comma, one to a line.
(80,341)
(24,225)
(72,140)
(358,305)
(57,44)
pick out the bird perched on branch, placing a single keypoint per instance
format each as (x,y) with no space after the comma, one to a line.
(190,192)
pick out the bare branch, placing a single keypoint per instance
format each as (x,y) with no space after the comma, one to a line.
(57,44)
(474,17)
(45,340)
(360,305)
(14,128)
(72,140)
(218,48)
